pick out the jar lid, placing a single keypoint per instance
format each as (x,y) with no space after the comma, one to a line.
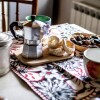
(4,39)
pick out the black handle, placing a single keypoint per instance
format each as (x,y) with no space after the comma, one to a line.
(17,24)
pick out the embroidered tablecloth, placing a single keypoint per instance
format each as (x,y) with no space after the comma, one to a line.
(63,80)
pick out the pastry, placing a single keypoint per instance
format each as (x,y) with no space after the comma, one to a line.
(68,46)
(56,46)
(45,51)
(44,41)
(53,42)
(83,41)
(57,52)
(80,48)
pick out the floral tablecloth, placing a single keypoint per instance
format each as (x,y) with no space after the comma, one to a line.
(63,80)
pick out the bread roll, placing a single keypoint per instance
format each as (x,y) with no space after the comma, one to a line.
(44,41)
(68,46)
(45,51)
(53,42)
(57,52)
(80,48)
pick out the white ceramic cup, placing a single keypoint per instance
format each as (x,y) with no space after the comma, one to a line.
(91,60)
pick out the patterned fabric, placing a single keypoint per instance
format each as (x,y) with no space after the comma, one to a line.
(51,82)
(63,80)
(75,67)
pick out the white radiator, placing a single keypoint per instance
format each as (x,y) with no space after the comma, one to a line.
(86,16)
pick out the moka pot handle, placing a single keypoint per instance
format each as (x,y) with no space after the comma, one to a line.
(17,24)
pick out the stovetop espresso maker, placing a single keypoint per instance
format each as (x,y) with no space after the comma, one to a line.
(32,47)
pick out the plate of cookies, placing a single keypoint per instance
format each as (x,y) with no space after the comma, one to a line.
(54,49)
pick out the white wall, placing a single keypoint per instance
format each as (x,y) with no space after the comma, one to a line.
(94,2)
(45,7)
(65,9)
(64,13)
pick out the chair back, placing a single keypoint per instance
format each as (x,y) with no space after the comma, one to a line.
(5,18)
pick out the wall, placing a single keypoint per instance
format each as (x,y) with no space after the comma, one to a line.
(64,11)
(94,2)
(65,8)
(45,7)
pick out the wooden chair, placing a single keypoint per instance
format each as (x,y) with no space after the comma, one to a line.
(30,2)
